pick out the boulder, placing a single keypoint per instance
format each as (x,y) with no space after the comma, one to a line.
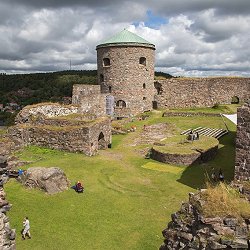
(51,180)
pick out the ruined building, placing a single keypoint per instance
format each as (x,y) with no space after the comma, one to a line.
(64,127)
(126,85)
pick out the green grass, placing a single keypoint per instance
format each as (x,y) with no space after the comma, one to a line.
(180,145)
(224,109)
(127,201)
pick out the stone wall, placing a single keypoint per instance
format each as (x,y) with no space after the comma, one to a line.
(127,79)
(85,137)
(190,229)
(7,235)
(28,113)
(89,99)
(184,159)
(242,160)
(200,92)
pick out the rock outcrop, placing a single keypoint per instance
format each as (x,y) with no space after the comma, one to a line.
(51,180)
(189,229)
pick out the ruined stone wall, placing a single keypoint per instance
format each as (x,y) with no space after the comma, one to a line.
(73,138)
(28,113)
(242,160)
(200,92)
(190,229)
(89,99)
(126,79)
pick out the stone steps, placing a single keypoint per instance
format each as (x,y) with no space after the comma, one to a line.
(212,132)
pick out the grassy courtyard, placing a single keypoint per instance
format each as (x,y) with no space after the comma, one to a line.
(127,201)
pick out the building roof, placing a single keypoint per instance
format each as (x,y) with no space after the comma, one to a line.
(126,37)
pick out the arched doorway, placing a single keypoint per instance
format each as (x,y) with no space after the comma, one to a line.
(101,141)
(235,100)
(121,104)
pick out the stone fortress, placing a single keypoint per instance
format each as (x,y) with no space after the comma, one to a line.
(126,87)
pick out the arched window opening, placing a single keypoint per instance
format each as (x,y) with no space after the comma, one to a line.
(106,62)
(110,88)
(144,98)
(235,100)
(121,104)
(142,61)
(144,85)
(101,141)
(101,77)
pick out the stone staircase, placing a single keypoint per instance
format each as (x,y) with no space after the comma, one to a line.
(212,132)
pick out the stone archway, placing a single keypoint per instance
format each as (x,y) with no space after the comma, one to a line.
(101,141)
(235,100)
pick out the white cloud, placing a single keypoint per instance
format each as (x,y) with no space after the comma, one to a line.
(199,37)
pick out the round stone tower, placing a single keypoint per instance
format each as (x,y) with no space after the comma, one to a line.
(125,66)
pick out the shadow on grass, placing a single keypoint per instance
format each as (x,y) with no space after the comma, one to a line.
(196,175)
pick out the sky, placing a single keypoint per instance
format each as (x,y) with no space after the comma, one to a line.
(192,37)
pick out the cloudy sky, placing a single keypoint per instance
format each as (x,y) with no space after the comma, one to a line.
(192,37)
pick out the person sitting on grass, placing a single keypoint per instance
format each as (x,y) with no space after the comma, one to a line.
(78,187)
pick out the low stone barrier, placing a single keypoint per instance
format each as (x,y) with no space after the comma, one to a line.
(189,114)
(185,159)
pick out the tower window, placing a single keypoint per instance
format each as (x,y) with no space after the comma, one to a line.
(106,62)
(121,104)
(142,61)
(110,89)
(144,98)
(144,85)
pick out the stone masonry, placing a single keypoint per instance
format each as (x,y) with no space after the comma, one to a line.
(59,127)
(190,229)
(89,99)
(242,161)
(126,78)
(200,92)
(86,136)
(28,113)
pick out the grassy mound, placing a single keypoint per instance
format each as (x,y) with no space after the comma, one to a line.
(179,145)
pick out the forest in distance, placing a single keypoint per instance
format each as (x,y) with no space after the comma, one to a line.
(19,90)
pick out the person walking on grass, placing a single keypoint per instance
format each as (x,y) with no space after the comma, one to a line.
(26,228)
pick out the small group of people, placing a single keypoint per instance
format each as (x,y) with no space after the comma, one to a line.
(193,136)
(78,187)
(219,177)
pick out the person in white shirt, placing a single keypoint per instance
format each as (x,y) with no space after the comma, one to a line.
(26,228)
